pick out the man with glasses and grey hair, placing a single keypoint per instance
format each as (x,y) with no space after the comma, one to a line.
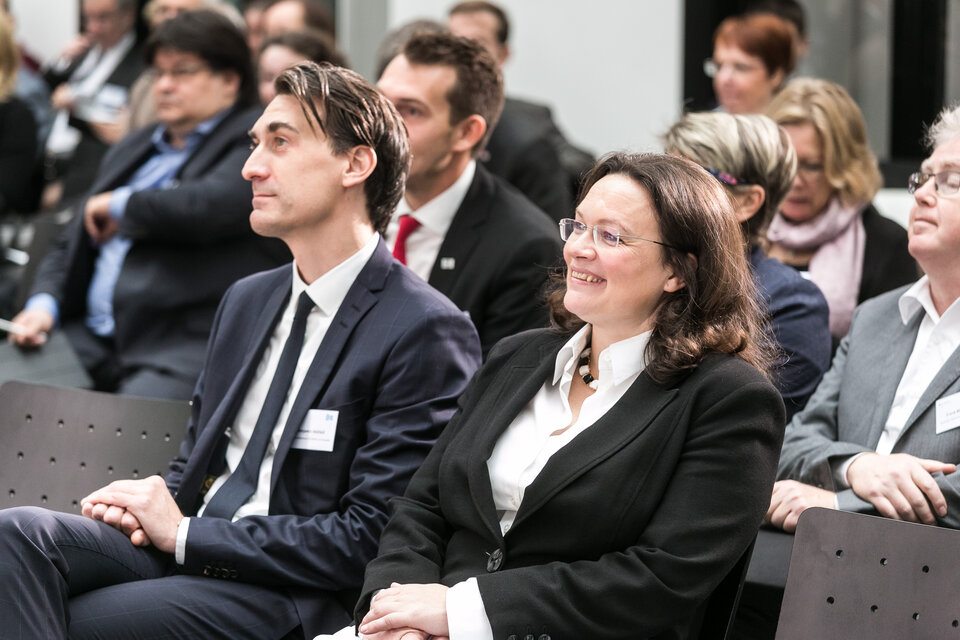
(880,434)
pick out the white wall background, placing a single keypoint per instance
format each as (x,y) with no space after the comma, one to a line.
(611,69)
(45,25)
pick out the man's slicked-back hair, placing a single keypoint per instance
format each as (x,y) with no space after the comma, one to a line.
(482,6)
(350,112)
(213,38)
(479,85)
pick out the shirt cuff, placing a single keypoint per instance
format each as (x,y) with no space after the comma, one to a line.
(180,552)
(44,302)
(466,617)
(840,476)
(118,201)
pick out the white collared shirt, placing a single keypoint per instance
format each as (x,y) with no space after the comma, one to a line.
(526,445)
(327,292)
(937,338)
(93,99)
(435,217)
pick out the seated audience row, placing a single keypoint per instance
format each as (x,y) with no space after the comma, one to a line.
(136,277)
(880,433)
(260,530)
(326,381)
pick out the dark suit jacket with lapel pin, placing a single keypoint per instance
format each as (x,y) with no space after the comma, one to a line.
(628,527)
(849,409)
(392,364)
(495,259)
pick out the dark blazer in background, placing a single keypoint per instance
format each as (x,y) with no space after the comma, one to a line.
(393,362)
(19,158)
(495,259)
(190,243)
(847,413)
(800,321)
(81,168)
(627,529)
(887,264)
(521,151)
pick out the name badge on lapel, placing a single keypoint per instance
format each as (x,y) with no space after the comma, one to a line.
(318,431)
(948,413)
(448,264)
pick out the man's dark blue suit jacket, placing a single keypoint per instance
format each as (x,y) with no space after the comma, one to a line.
(393,362)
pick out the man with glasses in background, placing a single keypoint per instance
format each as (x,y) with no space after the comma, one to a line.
(135,279)
(880,434)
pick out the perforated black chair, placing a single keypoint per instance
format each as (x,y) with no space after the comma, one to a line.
(857,576)
(719,610)
(58,445)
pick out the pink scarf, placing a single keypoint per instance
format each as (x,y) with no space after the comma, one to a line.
(836,267)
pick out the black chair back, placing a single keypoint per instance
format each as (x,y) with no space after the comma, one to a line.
(859,576)
(720,609)
(58,445)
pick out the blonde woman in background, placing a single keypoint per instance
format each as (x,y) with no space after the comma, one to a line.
(826,227)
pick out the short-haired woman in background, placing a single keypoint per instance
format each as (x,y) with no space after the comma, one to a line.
(754,160)
(752,57)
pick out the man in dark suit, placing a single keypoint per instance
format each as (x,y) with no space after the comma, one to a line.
(527,148)
(465,231)
(325,384)
(90,82)
(135,279)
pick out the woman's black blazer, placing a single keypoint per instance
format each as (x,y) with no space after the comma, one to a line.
(626,530)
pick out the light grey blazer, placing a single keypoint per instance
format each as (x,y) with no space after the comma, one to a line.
(847,412)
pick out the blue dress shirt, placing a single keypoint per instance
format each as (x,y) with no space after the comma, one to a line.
(158,172)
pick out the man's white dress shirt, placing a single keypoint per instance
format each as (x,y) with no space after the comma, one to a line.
(327,292)
(937,339)
(435,217)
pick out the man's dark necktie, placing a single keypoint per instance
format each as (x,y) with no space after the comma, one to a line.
(242,483)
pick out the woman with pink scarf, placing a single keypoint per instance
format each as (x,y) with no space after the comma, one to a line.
(826,227)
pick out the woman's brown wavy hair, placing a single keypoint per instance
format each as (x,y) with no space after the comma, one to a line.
(718,310)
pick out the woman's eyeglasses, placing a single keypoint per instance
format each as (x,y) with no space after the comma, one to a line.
(603,235)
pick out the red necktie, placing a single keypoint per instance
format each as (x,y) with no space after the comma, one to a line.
(408,224)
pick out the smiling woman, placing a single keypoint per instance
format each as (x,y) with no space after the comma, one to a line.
(567,497)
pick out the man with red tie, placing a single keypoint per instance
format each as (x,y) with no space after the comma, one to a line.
(466,232)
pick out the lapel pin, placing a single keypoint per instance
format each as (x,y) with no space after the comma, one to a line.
(448,264)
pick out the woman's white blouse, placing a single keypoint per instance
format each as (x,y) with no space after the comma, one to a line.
(527,444)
